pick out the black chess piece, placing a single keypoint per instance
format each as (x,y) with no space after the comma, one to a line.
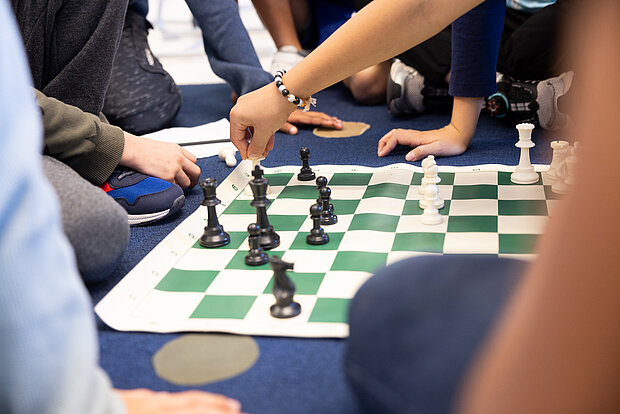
(327,208)
(320,183)
(214,234)
(269,239)
(306,173)
(317,235)
(283,290)
(256,255)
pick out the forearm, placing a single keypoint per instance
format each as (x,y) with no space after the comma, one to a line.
(378,32)
(556,349)
(465,114)
(81,140)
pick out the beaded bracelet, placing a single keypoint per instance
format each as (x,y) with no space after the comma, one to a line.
(303,103)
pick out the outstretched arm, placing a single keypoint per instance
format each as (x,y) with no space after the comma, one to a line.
(379,31)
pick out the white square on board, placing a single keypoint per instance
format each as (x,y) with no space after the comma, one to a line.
(381,205)
(159,305)
(205,259)
(396,176)
(475,178)
(367,241)
(520,192)
(521,224)
(471,243)
(311,261)
(240,282)
(476,207)
(342,284)
(412,224)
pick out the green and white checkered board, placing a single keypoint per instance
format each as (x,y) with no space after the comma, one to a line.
(180,286)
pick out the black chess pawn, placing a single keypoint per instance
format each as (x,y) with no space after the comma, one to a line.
(256,256)
(283,290)
(214,234)
(327,208)
(317,235)
(269,239)
(306,173)
(320,183)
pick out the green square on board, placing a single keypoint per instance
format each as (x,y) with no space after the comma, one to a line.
(350,179)
(334,241)
(279,179)
(419,242)
(391,190)
(447,178)
(238,262)
(236,238)
(517,243)
(359,261)
(503,178)
(304,192)
(472,224)
(331,310)
(374,221)
(283,222)
(470,192)
(522,208)
(306,283)
(177,280)
(345,206)
(412,208)
(223,307)
(240,207)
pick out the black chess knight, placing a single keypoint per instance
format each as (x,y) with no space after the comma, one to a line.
(283,290)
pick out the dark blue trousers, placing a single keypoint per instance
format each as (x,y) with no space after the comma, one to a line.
(416,326)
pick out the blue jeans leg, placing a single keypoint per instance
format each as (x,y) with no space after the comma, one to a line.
(416,325)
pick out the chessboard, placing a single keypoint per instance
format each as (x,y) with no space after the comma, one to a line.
(181,286)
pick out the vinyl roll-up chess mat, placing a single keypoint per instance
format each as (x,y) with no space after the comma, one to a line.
(181,286)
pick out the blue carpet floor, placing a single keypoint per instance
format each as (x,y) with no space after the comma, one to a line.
(291,375)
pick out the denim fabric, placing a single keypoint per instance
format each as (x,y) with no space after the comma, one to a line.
(48,348)
(415,326)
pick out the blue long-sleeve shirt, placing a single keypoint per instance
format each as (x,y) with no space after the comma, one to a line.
(475,43)
(48,348)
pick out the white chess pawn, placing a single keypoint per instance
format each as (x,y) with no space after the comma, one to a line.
(431,176)
(559,185)
(524,173)
(227,154)
(560,152)
(431,215)
(426,163)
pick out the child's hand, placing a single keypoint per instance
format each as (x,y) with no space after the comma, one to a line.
(453,139)
(445,141)
(309,118)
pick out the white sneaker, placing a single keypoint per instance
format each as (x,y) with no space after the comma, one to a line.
(549,91)
(404,90)
(286,57)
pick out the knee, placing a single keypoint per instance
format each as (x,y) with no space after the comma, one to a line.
(367,89)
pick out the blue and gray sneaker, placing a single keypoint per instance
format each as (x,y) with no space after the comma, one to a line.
(146,199)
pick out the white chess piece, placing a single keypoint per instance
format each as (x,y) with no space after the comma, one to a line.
(431,176)
(559,185)
(431,215)
(227,154)
(571,162)
(560,152)
(426,163)
(524,173)
(248,189)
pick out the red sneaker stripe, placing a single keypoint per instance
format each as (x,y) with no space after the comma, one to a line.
(106,187)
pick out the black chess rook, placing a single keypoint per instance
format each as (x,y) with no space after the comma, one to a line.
(306,173)
(269,239)
(214,234)
(283,290)
(256,256)
(317,235)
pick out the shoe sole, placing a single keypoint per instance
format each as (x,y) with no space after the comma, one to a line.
(143,219)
